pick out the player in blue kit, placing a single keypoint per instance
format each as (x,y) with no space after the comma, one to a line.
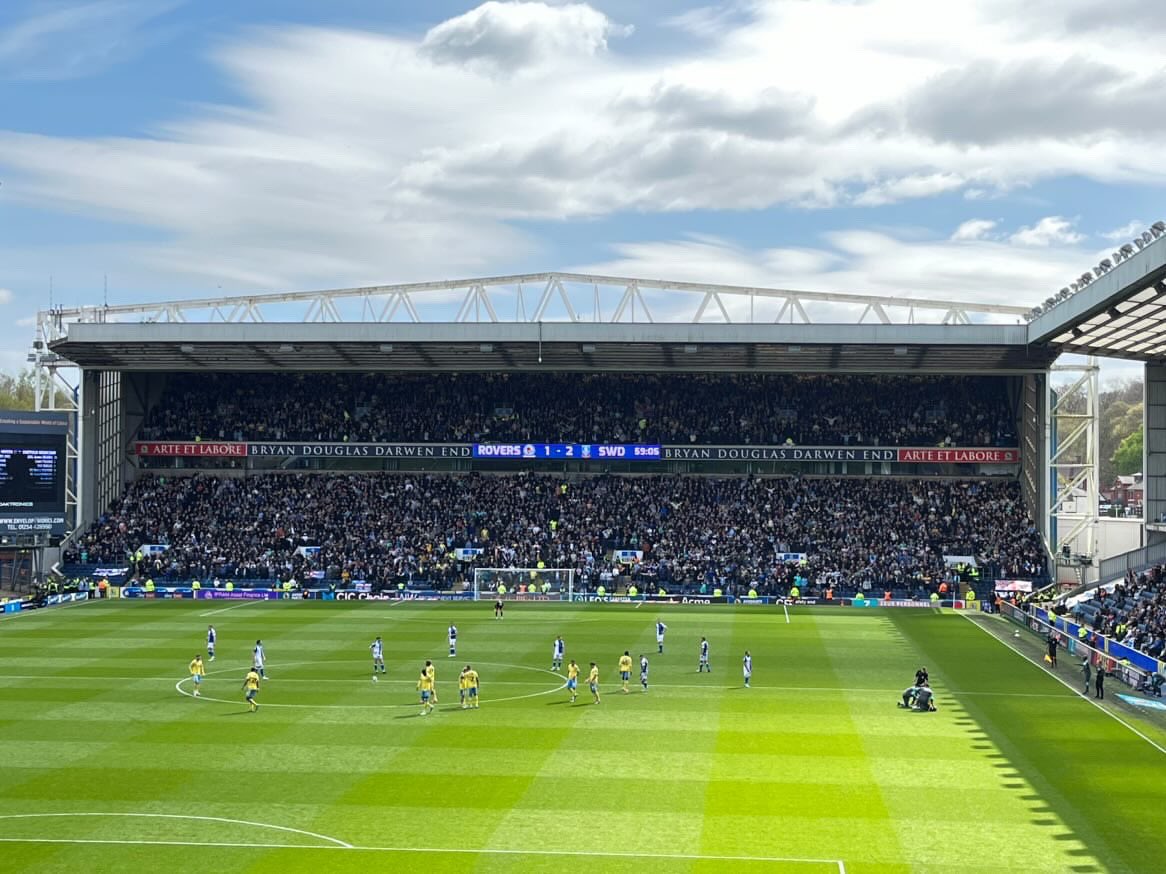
(377,648)
(747,668)
(211,637)
(703,665)
(644,671)
(660,629)
(557,651)
(452,640)
(258,658)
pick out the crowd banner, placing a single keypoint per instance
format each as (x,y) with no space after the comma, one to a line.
(1013,585)
(110,573)
(687,453)
(192,449)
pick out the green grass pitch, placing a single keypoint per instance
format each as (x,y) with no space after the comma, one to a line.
(108,765)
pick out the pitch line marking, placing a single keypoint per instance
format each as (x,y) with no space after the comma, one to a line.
(461,851)
(559,688)
(53,609)
(1071,688)
(396,681)
(232,607)
(333,842)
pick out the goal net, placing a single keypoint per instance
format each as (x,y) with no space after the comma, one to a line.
(524,583)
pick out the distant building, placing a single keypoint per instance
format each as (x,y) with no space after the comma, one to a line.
(1127,492)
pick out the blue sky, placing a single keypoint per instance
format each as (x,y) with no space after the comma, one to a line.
(985,150)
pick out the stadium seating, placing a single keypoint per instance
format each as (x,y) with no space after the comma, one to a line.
(1133,613)
(875,534)
(709,409)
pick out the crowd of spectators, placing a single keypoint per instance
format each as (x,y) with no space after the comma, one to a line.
(856,534)
(1133,613)
(690,408)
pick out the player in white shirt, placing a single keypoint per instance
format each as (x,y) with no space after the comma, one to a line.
(747,667)
(452,641)
(644,671)
(258,657)
(557,654)
(703,665)
(211,637)
(377,648)
(660,629)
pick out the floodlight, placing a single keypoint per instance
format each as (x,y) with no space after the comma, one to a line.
(386,347)
(186,348)
(1127,250)
(588,348)
(486,347)
(286,348)
(1158,229)
(691,349)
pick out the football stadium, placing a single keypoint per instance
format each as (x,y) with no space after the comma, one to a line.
(582,573)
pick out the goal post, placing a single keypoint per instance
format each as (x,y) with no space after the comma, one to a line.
(524,583)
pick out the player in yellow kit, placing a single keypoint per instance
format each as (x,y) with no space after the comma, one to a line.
(432,672)
(251,687)
(462,687)
(593,681)
(572,679)
(197,672)
(425,685)
(472,686)
(625,669)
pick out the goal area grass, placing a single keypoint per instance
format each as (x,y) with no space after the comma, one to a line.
(110,764)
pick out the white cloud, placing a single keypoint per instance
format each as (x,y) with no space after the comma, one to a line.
(78,39)
(5,295)
(863,262)
(1052,230)
(361,157)
(908,188)
(1126,232)
(510,36)
(708,22)
(974,229)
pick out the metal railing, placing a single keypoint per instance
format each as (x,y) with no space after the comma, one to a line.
(1116,567)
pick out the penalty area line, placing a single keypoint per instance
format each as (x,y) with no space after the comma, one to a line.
(461,851)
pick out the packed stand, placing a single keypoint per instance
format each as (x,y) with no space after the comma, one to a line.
(676,409)
(871,534)
(1133,614)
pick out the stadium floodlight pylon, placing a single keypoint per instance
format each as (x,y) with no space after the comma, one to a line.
(525,583)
